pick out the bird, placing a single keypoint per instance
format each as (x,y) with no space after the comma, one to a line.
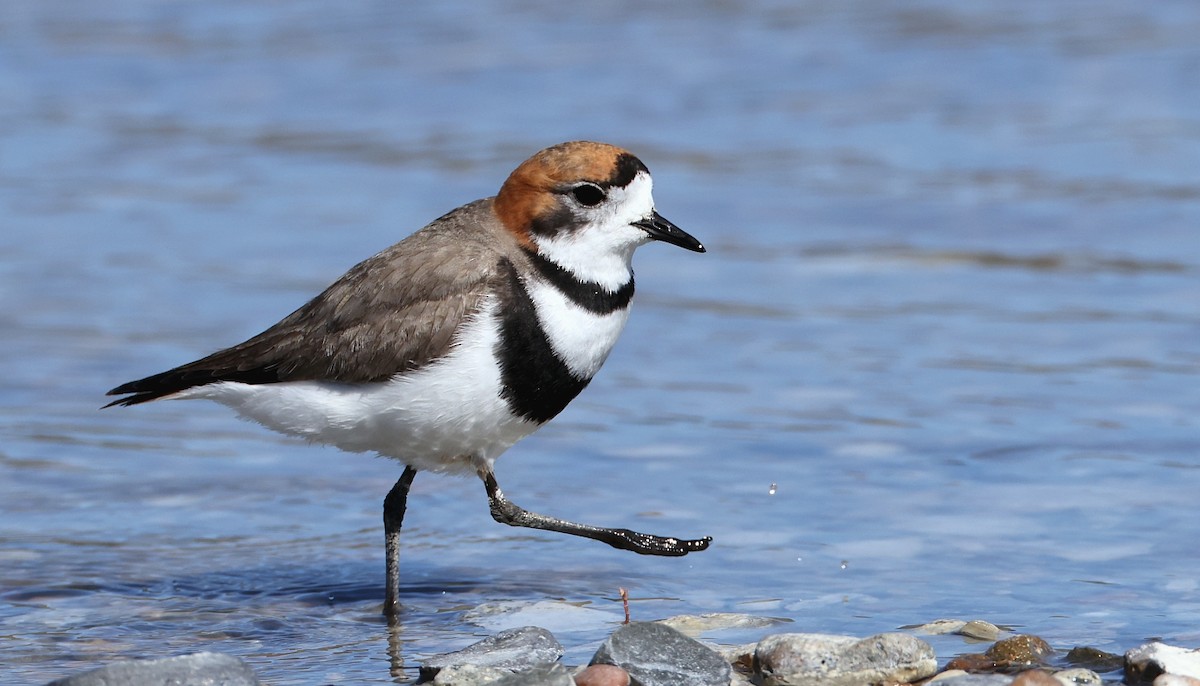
(445,349)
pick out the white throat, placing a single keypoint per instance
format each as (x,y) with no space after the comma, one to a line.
(601,251)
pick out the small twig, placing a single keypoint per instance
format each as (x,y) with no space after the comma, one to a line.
(625,602)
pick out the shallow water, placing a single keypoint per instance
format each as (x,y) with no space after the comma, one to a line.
(950,314)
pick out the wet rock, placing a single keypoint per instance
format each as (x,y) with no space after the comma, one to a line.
(1144,663)
(1078,677)
(938,627)
(694,625)
(512,650)
(1035,677)
(979,629)
(548,674)
(198,669)
(976,628)
(972,662)
(468,675)
(786,659)
(602,675)
(1019,651)
(1095,659)
(657,655)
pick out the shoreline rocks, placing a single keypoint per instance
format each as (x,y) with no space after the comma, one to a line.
(658,654)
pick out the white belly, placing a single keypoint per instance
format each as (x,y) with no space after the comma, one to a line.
(446,417)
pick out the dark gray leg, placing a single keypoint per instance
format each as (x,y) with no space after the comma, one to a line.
(393,516)
(507,512)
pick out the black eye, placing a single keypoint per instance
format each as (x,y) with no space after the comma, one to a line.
(588,195)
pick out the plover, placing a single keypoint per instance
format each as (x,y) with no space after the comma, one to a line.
(447,348)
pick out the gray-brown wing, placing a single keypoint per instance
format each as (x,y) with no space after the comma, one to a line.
(390,313)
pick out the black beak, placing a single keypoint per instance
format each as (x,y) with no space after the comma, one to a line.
(662,230)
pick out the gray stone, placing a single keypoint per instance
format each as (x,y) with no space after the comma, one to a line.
(468,675)
(512,650)
(801,659)
(657,655)
(937,627)
(979,629)
(1147,661)
(549,674)
(198,669)
(694,625)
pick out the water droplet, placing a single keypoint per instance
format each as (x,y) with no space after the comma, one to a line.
(799,559)
(771,490)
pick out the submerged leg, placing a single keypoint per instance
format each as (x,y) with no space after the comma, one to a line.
(507,512)
(393,516)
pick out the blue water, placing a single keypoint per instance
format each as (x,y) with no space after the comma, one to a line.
(950,310)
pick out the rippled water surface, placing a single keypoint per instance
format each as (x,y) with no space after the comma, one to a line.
(950,314)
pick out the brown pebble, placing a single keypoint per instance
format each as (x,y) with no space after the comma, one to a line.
(1035,677)
(602,675)
(1022,649)
(972,662)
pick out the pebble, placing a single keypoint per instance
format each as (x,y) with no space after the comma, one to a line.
(694,625)
(1144,663)
(1078,677)
(657,655)
(512,650)
(197,669)
(602,675)
(1019,650)
(549,674)
(785,659)
(1095,659)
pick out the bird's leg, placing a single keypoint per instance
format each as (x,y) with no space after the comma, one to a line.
(393,516)
(507,512)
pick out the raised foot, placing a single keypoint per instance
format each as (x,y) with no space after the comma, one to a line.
(647,544)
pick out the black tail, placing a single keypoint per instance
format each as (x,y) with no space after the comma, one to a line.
(183,378)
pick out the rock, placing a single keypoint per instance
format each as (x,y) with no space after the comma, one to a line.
(788,659)
(694,625)
(740,657)
(197,669)
(602,675)
(512,650)
(468,675)
(1019,651)
(1094,659)
(977,628)
(937,627)
(548,674)
(1078,677)
(657,655)
(972,662)
(1035,677)
(1175,680)
(1144,663)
